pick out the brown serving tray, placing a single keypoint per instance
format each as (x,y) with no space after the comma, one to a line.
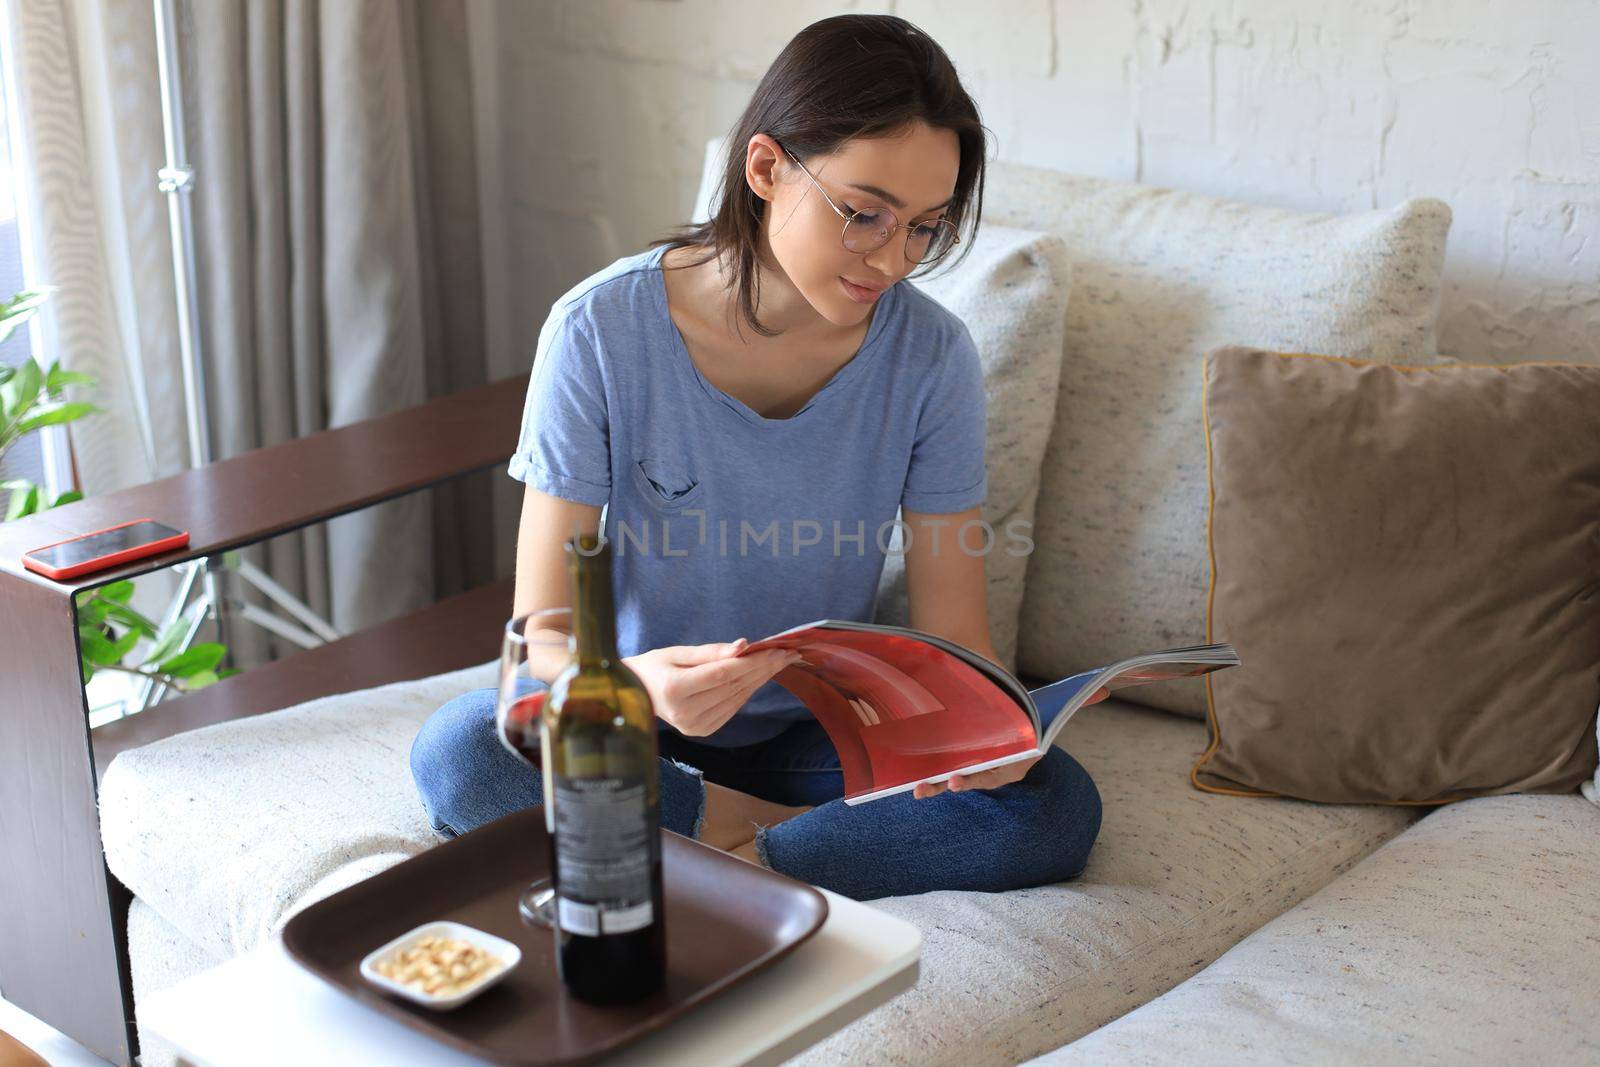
(726,920)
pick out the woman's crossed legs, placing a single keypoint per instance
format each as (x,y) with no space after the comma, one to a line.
(1035,831)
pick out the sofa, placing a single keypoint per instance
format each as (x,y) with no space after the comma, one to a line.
(1205,927)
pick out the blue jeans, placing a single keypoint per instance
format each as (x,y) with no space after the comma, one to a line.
(1035,831)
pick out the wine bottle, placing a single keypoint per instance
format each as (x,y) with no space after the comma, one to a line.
(599,740)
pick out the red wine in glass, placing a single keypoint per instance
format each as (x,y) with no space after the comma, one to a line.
(536,646)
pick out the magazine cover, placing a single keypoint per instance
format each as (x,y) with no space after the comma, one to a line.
(903,706)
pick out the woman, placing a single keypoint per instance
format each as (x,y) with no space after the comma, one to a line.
(751,400)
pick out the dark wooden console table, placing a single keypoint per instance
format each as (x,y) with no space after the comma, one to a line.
(63,937)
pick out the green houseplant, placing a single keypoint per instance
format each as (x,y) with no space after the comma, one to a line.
(109,628)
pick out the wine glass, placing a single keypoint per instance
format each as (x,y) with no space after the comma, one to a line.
(536,646)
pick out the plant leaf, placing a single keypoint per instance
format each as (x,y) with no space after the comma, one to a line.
(57,379)
(23,502)
(128,617)
(118,591)
(20,308)
(20,391)
(199,680)
(97,647)
(172,635)
(54,413)
(124,644)
(194,659)
(92,612)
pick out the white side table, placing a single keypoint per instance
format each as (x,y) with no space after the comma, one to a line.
(263,1008)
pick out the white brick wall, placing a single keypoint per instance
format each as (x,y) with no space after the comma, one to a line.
(1335,105)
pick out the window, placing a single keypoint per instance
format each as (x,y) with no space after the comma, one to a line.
(25,459)
(36,456)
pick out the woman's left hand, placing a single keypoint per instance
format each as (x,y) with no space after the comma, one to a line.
(995,776)
(989,779)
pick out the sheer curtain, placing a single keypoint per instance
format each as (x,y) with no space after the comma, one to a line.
(337,233)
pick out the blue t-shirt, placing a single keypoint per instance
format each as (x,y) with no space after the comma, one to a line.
(724,523)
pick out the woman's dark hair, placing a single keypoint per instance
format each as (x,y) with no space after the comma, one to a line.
(840,78)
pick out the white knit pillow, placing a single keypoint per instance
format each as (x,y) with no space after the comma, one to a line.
(1011,290)
(1159,278)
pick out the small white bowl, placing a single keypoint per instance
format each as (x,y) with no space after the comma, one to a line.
(508,954)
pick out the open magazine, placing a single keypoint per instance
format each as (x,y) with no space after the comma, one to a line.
(903,706)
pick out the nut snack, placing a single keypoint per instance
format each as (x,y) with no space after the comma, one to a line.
(439,966)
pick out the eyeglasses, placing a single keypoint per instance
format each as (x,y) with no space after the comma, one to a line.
(869,229)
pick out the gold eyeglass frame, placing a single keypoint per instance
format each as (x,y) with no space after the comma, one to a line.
(955,234)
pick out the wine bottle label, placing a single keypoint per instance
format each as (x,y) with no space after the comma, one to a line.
(603,854)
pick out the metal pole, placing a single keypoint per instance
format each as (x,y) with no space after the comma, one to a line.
(176,180)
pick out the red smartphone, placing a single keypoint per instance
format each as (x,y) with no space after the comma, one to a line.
(103,548)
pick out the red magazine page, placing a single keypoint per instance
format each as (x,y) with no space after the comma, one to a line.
(898,709)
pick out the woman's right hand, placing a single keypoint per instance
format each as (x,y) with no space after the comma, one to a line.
(697,688)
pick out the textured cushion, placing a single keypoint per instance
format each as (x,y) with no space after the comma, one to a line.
(1470,938)
(228,830)
(1175,878)
(1406,560)
(1159,278)
(1011,291)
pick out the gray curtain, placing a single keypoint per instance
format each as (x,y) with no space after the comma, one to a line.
(337,229)
(336,226)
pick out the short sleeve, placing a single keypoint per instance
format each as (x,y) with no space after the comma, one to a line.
(947,457)
(564,447)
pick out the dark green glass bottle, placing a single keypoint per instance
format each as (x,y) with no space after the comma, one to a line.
(600,743)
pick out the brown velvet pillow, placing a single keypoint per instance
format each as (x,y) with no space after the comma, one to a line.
(1408,561)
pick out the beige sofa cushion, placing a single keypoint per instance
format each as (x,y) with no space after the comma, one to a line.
(1470,938)
(1012,292)
(227,831)
(1175,878)
(1159,278)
